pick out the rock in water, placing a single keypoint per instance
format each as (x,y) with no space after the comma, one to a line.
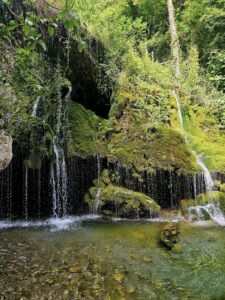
(5,150)
(169,235)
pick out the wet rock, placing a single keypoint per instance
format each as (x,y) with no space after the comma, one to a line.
(5,150)
(169,235)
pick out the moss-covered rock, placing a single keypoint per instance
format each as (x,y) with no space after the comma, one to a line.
(169,235)
(131,139)
(220,186)
(126,203)
(115,201)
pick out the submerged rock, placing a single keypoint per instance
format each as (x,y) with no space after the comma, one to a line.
(169,235)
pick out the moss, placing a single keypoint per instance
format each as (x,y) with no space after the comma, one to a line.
(86,132)
(138,137)
(92,192)
(220,186)
(206,137)
(164,149)
(135,135)
(105,177)
(127,203)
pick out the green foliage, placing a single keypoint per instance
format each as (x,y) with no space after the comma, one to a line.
(128,42)
(216,68)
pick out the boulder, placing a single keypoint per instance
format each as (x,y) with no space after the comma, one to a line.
(169,235)
(116,201)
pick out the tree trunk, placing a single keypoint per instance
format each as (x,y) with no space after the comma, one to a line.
(174,42)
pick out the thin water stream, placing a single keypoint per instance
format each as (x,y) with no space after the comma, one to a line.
(58,167)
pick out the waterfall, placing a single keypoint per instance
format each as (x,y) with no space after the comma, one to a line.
(95,208)
(35,107)
(171,188)
(58,173)
(39,192)
(212,208)
(179,110)
(97,199)
(59,180)
(26,192)
(207,176)
(9,191)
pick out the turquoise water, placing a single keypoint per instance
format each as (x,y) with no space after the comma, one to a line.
(110,260)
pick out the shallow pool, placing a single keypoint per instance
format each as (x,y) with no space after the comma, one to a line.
(96,259)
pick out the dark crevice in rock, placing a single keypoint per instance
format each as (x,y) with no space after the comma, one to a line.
(84,73)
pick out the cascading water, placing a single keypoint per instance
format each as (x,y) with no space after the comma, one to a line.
(58,168)
(179,110)
(95,208)
(212,208)
(59,180)
(26,192)
(207,176)
(35,107)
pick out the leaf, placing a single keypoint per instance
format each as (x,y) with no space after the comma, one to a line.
(43,45)
(51,30)
(82,45)
(69,24)
(31,46)
(75,35)
(62,15)
(29,31)
(13,25)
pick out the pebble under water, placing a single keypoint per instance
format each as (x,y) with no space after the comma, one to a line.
(95,259)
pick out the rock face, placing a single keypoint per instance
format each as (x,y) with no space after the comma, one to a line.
(5,150)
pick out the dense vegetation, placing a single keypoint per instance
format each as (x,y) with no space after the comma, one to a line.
(129,45)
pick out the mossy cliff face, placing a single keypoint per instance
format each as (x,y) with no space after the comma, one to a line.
(131,135)
(86,131)
(205,136)
(117,201)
